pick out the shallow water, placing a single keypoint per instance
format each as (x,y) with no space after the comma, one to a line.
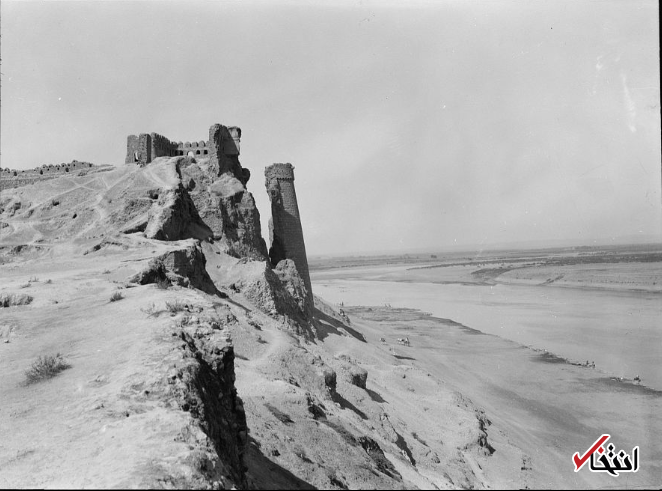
(620,331)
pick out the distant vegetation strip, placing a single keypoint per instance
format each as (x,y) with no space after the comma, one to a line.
(551,257)
(651,257)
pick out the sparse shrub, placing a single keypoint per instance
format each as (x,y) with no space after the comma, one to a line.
(163,283)
(185,320)
(105,271)
(176,306)
(48,281)
(252,322)
(45,367)
(9,300)
(116,296)
(151,310)
(24,285)
(33,279)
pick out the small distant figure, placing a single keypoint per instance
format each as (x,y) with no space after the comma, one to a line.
(383,340)
(344,316)
(637,379)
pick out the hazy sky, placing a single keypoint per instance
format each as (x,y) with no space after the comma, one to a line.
(410,124)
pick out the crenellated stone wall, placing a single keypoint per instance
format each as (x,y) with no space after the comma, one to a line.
(144,148)
(162,147)
(195,149)
(285,231)
(13,178)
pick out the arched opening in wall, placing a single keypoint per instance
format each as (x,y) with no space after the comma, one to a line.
(190,154)
(135,156)
(181,152)
(206,152)
(15,174)
(67,169)
(41,172)
(197,152)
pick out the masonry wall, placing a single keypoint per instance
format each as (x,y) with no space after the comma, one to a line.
(12,178)
(131,149)
(138,149)
(197,149)
(285,232)
(162,147)
(224,151)
(144,148)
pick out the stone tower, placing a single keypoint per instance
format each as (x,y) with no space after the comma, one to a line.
(285,232)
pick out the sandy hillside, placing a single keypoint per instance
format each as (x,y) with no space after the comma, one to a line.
(202,374)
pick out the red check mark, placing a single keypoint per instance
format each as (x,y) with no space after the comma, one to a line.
(580,461)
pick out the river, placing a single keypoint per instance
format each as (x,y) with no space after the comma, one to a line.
(620,331)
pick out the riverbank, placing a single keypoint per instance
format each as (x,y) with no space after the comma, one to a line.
(535,401)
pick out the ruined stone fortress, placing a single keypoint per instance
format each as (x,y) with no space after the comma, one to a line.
(144,148)
(222,149)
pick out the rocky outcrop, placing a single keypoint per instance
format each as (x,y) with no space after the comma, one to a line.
(218,190)
(240,219)
(287,273)
(205,388)
(173,216)
(267,292)
(184,267)
(358,376)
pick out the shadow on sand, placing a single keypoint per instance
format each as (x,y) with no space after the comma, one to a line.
(325,325)
(264,473)
(345,404)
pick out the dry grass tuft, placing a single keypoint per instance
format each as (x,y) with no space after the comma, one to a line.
(45,367)
(176,306)
(116,296)
(151,311)
(163,283)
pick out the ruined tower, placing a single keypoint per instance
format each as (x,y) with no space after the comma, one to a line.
(146,147)
(285,232)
